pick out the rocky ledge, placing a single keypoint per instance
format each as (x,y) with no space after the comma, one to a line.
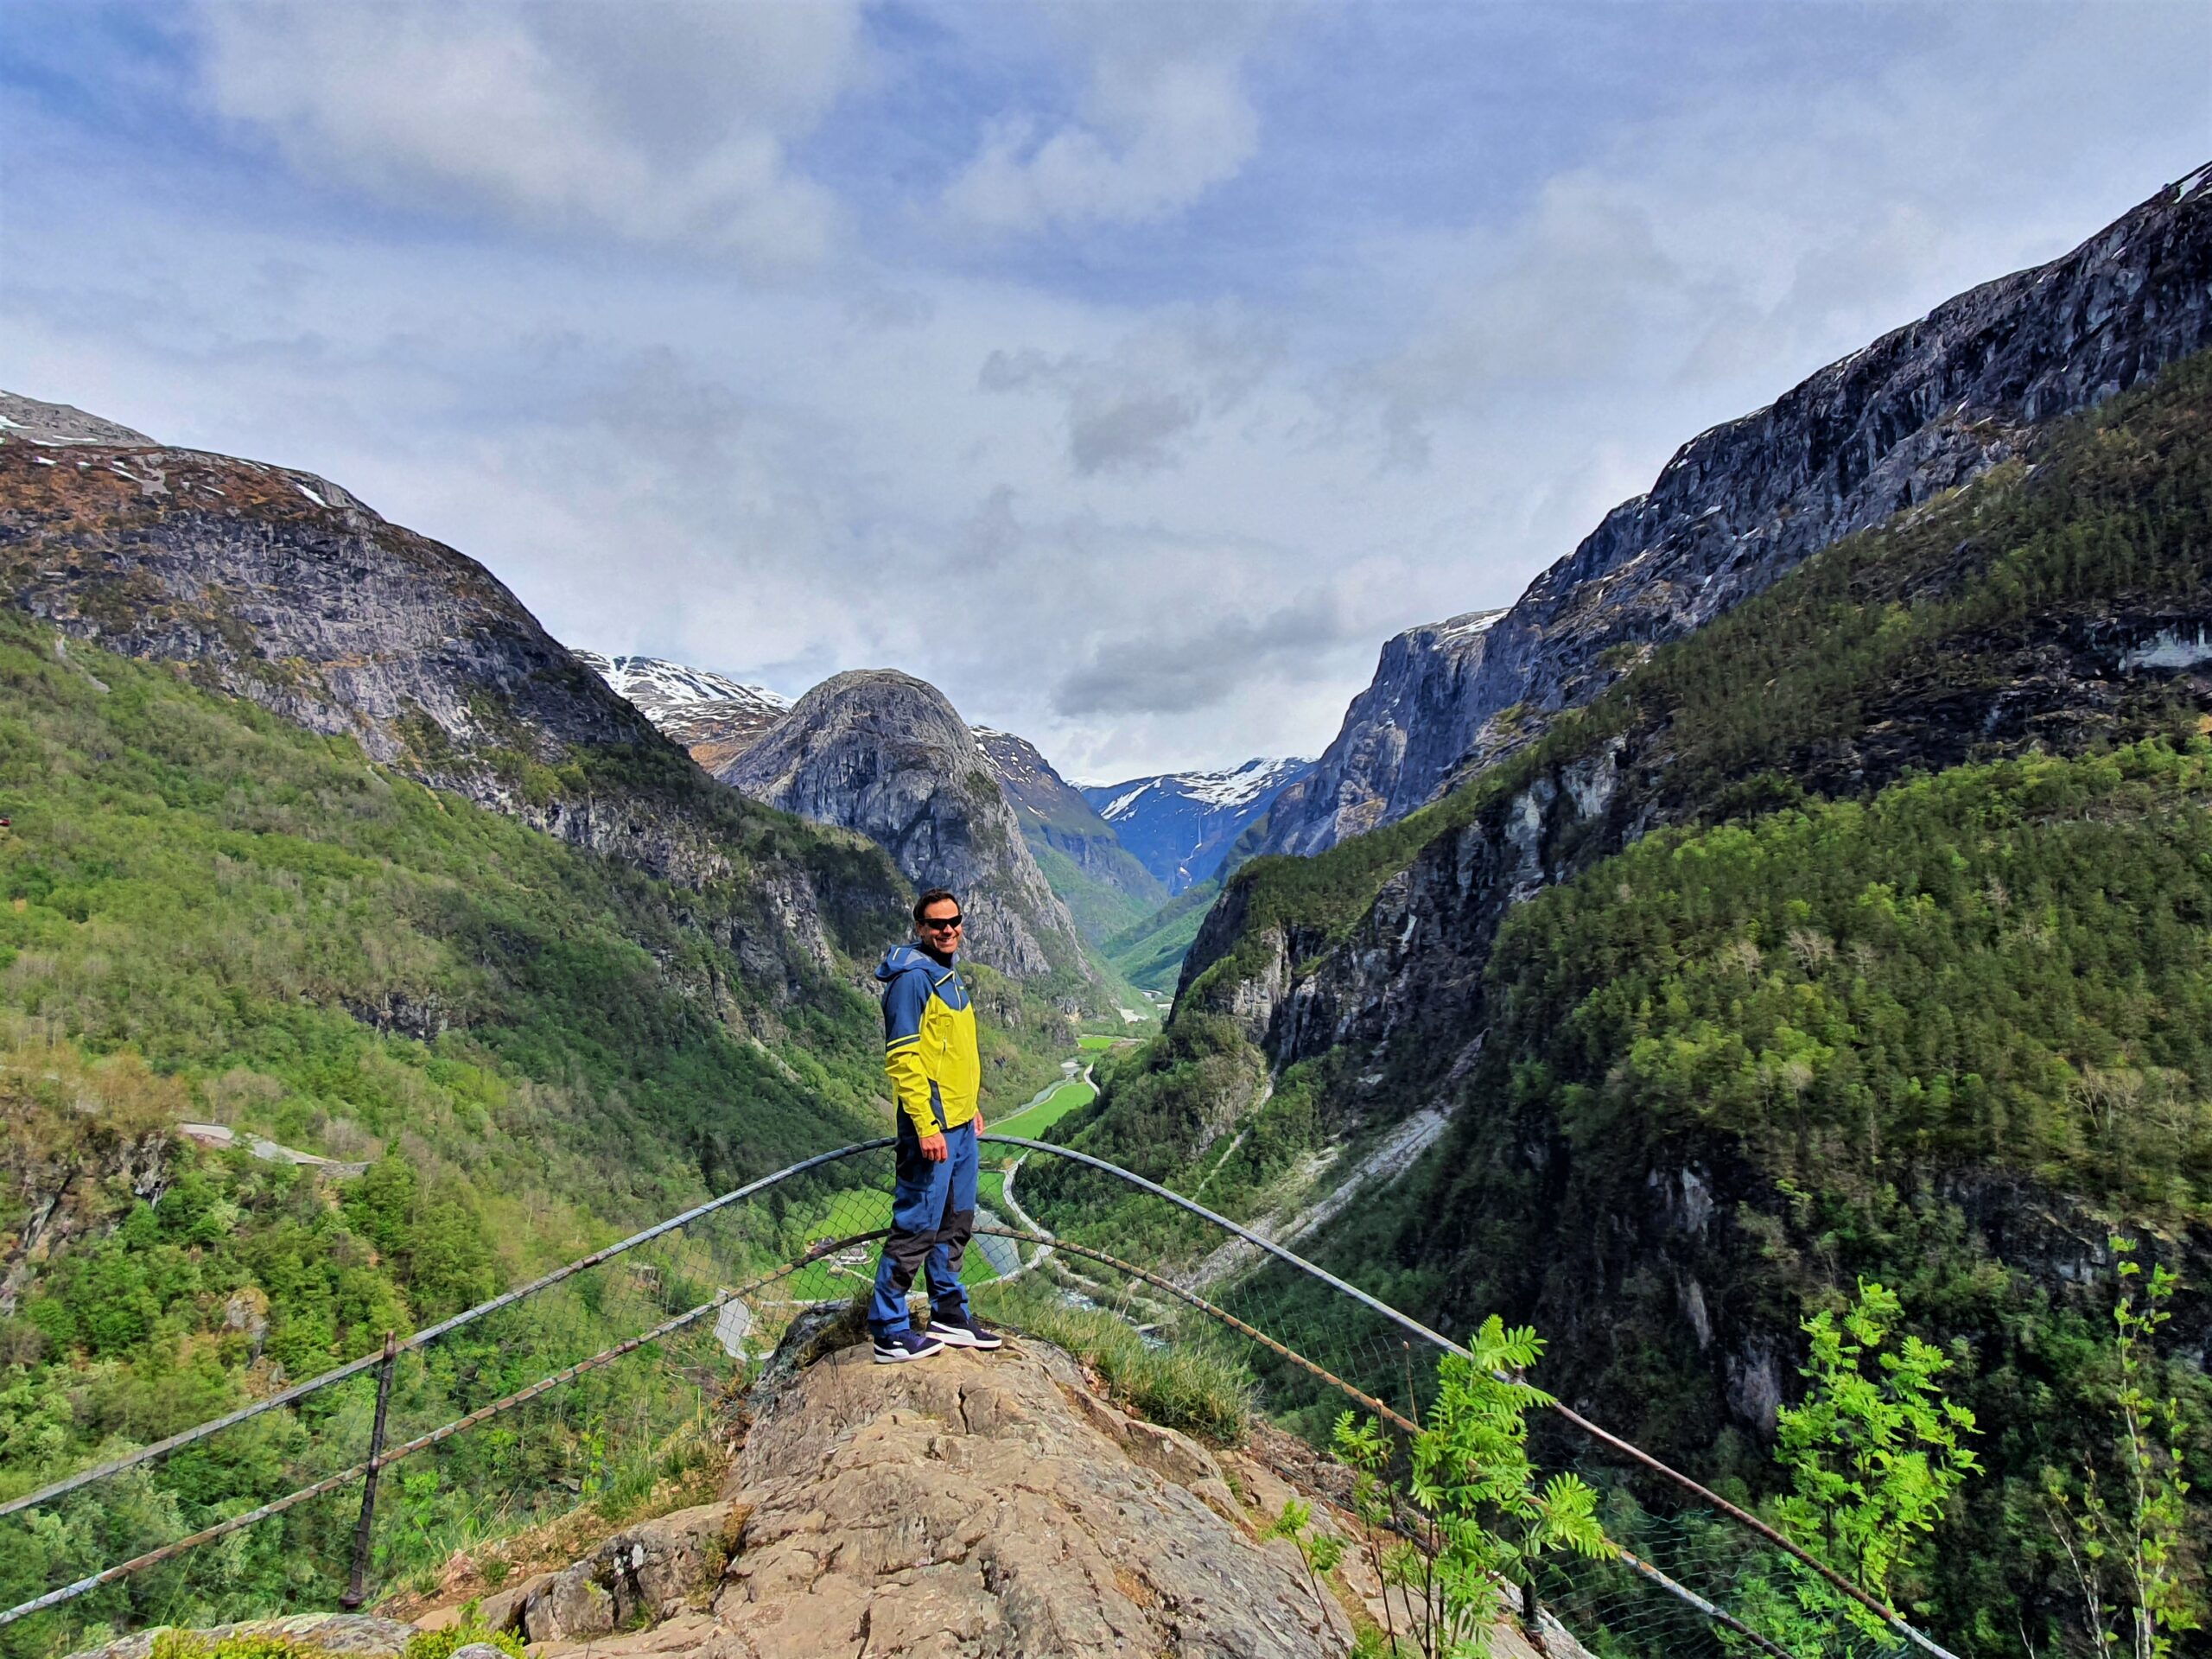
(967,1505)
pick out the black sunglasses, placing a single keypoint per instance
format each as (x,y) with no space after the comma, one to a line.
(943,924)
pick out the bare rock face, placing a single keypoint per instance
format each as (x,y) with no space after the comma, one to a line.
(885,753)
(1924,408)
(1407,729)
(56,425)
(281,588)
(982,1506)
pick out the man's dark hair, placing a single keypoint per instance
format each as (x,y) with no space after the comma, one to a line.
(934,896)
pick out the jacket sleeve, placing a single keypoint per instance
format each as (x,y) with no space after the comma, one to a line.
(903,1002)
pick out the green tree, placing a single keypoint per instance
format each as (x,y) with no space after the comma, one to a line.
(1874,1455)
(1485,1513)
(2133,1560)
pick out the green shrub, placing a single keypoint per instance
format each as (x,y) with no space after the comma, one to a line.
(442,1644)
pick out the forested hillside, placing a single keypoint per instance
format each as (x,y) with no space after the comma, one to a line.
(208,913)
(1863,933)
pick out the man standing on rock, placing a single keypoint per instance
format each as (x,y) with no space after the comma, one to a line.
(928,1049)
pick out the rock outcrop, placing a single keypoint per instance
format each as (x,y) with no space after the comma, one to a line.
(1921,410)
(885,755)
(652,1571)
(989,1507)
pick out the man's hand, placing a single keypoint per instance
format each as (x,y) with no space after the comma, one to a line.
(979,1120)
(933,1148)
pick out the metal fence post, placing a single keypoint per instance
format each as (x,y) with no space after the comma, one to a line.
(357,1583)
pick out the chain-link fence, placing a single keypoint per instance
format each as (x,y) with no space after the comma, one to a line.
(522,1428)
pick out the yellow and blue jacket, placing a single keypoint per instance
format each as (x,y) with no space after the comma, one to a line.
(929,1039)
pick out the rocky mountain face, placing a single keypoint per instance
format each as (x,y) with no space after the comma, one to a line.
(1919,411)
(718,719)
(1181,825)
(1055,818)
(886,754)
(1407,730)
(714,716)
(279,587)
(55,426)
(1439,981)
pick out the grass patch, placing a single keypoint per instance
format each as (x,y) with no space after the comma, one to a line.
(1188,1383)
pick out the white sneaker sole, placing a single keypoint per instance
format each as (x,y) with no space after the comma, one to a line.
(900,1356)
(958,1338)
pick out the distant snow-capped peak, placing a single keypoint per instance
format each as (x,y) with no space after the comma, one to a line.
(1232,787)
(1242,784)
(649,681)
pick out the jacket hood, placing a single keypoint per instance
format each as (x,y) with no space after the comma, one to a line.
(904,958)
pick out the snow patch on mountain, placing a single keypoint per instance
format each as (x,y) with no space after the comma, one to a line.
(1121,805)
(1247,783)
(1182,824)
(650,681)
(1463,627)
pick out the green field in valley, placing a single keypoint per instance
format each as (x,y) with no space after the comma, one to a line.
(1032,1120)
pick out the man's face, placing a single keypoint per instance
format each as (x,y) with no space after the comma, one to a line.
(939,928)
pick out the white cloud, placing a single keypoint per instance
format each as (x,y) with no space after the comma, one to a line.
(1165,118)
(1704,258)
(667,125)
(1139,511)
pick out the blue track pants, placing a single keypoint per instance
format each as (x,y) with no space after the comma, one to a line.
(932,1213)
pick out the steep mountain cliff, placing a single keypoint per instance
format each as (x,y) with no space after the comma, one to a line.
(1407,730)
(1864,932)
(885,753)
(1104,887)
(1182,824)
(714,716)
(1921,410)
(718,719)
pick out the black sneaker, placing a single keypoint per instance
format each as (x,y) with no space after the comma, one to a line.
(895,1347)
(962,1331)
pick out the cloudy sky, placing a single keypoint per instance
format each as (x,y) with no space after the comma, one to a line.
(1130,371)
